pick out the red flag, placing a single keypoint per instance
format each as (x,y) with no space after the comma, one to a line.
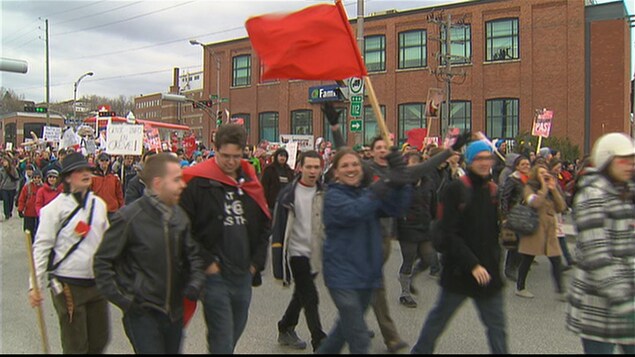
(416,137)
(314,43)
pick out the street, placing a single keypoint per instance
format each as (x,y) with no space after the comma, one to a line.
(534,325)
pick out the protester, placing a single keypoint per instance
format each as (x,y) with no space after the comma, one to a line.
(107,185)
(72,227)
(9,178)
(601,306)
(136,186)
(471,263)
(150,291)
(413,232)
(511,195)
(25,177)
(545,153)
(351,218)
(499,162)
(297,237)
(26,203)
(276,176)
(129,170)
(542,194)
(55,163)
(230,219)
(49,190)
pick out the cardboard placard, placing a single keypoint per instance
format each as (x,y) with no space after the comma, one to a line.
(124,139)
(292,150)
(52,134)
(542,124)
(305,142)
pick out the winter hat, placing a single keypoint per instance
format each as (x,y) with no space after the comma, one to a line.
(103,156)
(74,161)
(30,167)
(37,173)
(474,148)
(53,173)
(544,152)
(609,146)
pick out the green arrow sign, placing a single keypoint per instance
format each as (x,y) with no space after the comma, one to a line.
(356,126)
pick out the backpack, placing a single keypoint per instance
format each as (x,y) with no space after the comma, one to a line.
(439,241)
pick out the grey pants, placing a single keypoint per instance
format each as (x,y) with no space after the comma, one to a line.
(88,331)
(380,306)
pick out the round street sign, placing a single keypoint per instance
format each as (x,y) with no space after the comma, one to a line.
(356,85)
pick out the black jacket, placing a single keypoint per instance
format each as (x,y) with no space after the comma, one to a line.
(473,236)
(134,190)
(414,226)
(272,180)
(148,261)
(511,194)
(203,200)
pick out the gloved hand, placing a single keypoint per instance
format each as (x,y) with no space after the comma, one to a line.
(398,177)
(331,114)
(21,214)
(461,140)
(256,280)
(192,292)
(395,159)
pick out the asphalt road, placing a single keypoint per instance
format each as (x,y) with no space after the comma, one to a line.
(534,326)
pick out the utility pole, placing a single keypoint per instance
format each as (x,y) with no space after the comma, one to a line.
(445,73)
(48,77)
(358,136)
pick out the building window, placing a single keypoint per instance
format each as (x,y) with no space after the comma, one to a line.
(11,133)
(302,122)
(246,121)
(371,129)
(375,53)
(241,71)
(412,49)
(262,71)
(501,40)
(461,46)
(461,115)
(410,117)
(269,126)
(502,118)
(328,134)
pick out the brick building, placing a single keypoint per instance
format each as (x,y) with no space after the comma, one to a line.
(517,55)
(15,127)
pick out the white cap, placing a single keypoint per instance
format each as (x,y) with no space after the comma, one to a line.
(609,146)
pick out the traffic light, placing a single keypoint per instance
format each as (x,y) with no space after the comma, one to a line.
(209,103)
(219,122)
(107,114)
(30,109)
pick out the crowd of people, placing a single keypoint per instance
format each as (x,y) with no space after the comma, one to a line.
(167,231)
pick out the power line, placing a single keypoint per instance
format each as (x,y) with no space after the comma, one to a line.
(8,37)
(98,14)
(124,20)
(159,44)
(26,43)
(75,8)
(21,36)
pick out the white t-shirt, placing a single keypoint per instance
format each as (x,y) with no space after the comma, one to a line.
(300,239)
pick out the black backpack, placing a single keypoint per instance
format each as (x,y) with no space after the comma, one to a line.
(439,241)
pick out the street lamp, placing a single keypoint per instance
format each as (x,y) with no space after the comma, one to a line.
(75,93)
(196,43)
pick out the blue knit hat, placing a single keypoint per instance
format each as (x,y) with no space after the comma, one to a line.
(474,148)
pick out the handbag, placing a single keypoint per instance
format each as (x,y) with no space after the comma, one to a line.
(522,219)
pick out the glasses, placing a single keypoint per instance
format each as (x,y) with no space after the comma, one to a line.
(224,156)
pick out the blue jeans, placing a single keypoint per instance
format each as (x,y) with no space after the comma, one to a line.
(152,332)
(592,347)
(490,310)
(350,327)
(226,306)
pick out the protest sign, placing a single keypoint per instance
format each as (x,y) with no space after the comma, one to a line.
(69,139)
(431,140)
(450,138)
(152,139)
(435,97)
(542,124)
(292,150)
(124,139)
(416,137)
(52,133)
(305,142)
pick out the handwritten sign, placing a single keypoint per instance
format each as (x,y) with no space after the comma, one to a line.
(124,139)
(52,133)
(152,139)
(292,150)
(542,124)
(305,142)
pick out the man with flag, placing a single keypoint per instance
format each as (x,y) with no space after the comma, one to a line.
(230,219)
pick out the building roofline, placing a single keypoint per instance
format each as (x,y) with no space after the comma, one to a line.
(31,115)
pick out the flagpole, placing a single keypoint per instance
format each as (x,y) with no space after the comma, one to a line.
(36,288)
(380,118)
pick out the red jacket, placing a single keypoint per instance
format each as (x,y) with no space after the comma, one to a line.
(45,195)
(26,201)
(108,188)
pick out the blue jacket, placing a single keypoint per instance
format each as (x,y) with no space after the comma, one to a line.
(352,252)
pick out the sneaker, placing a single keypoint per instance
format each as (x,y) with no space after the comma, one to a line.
(407,301)
(291,339)
(524,294)
(396,346)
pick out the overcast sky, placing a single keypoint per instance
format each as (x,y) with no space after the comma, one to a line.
(131,46)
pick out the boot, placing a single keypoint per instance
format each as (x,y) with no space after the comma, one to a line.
(406,299)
